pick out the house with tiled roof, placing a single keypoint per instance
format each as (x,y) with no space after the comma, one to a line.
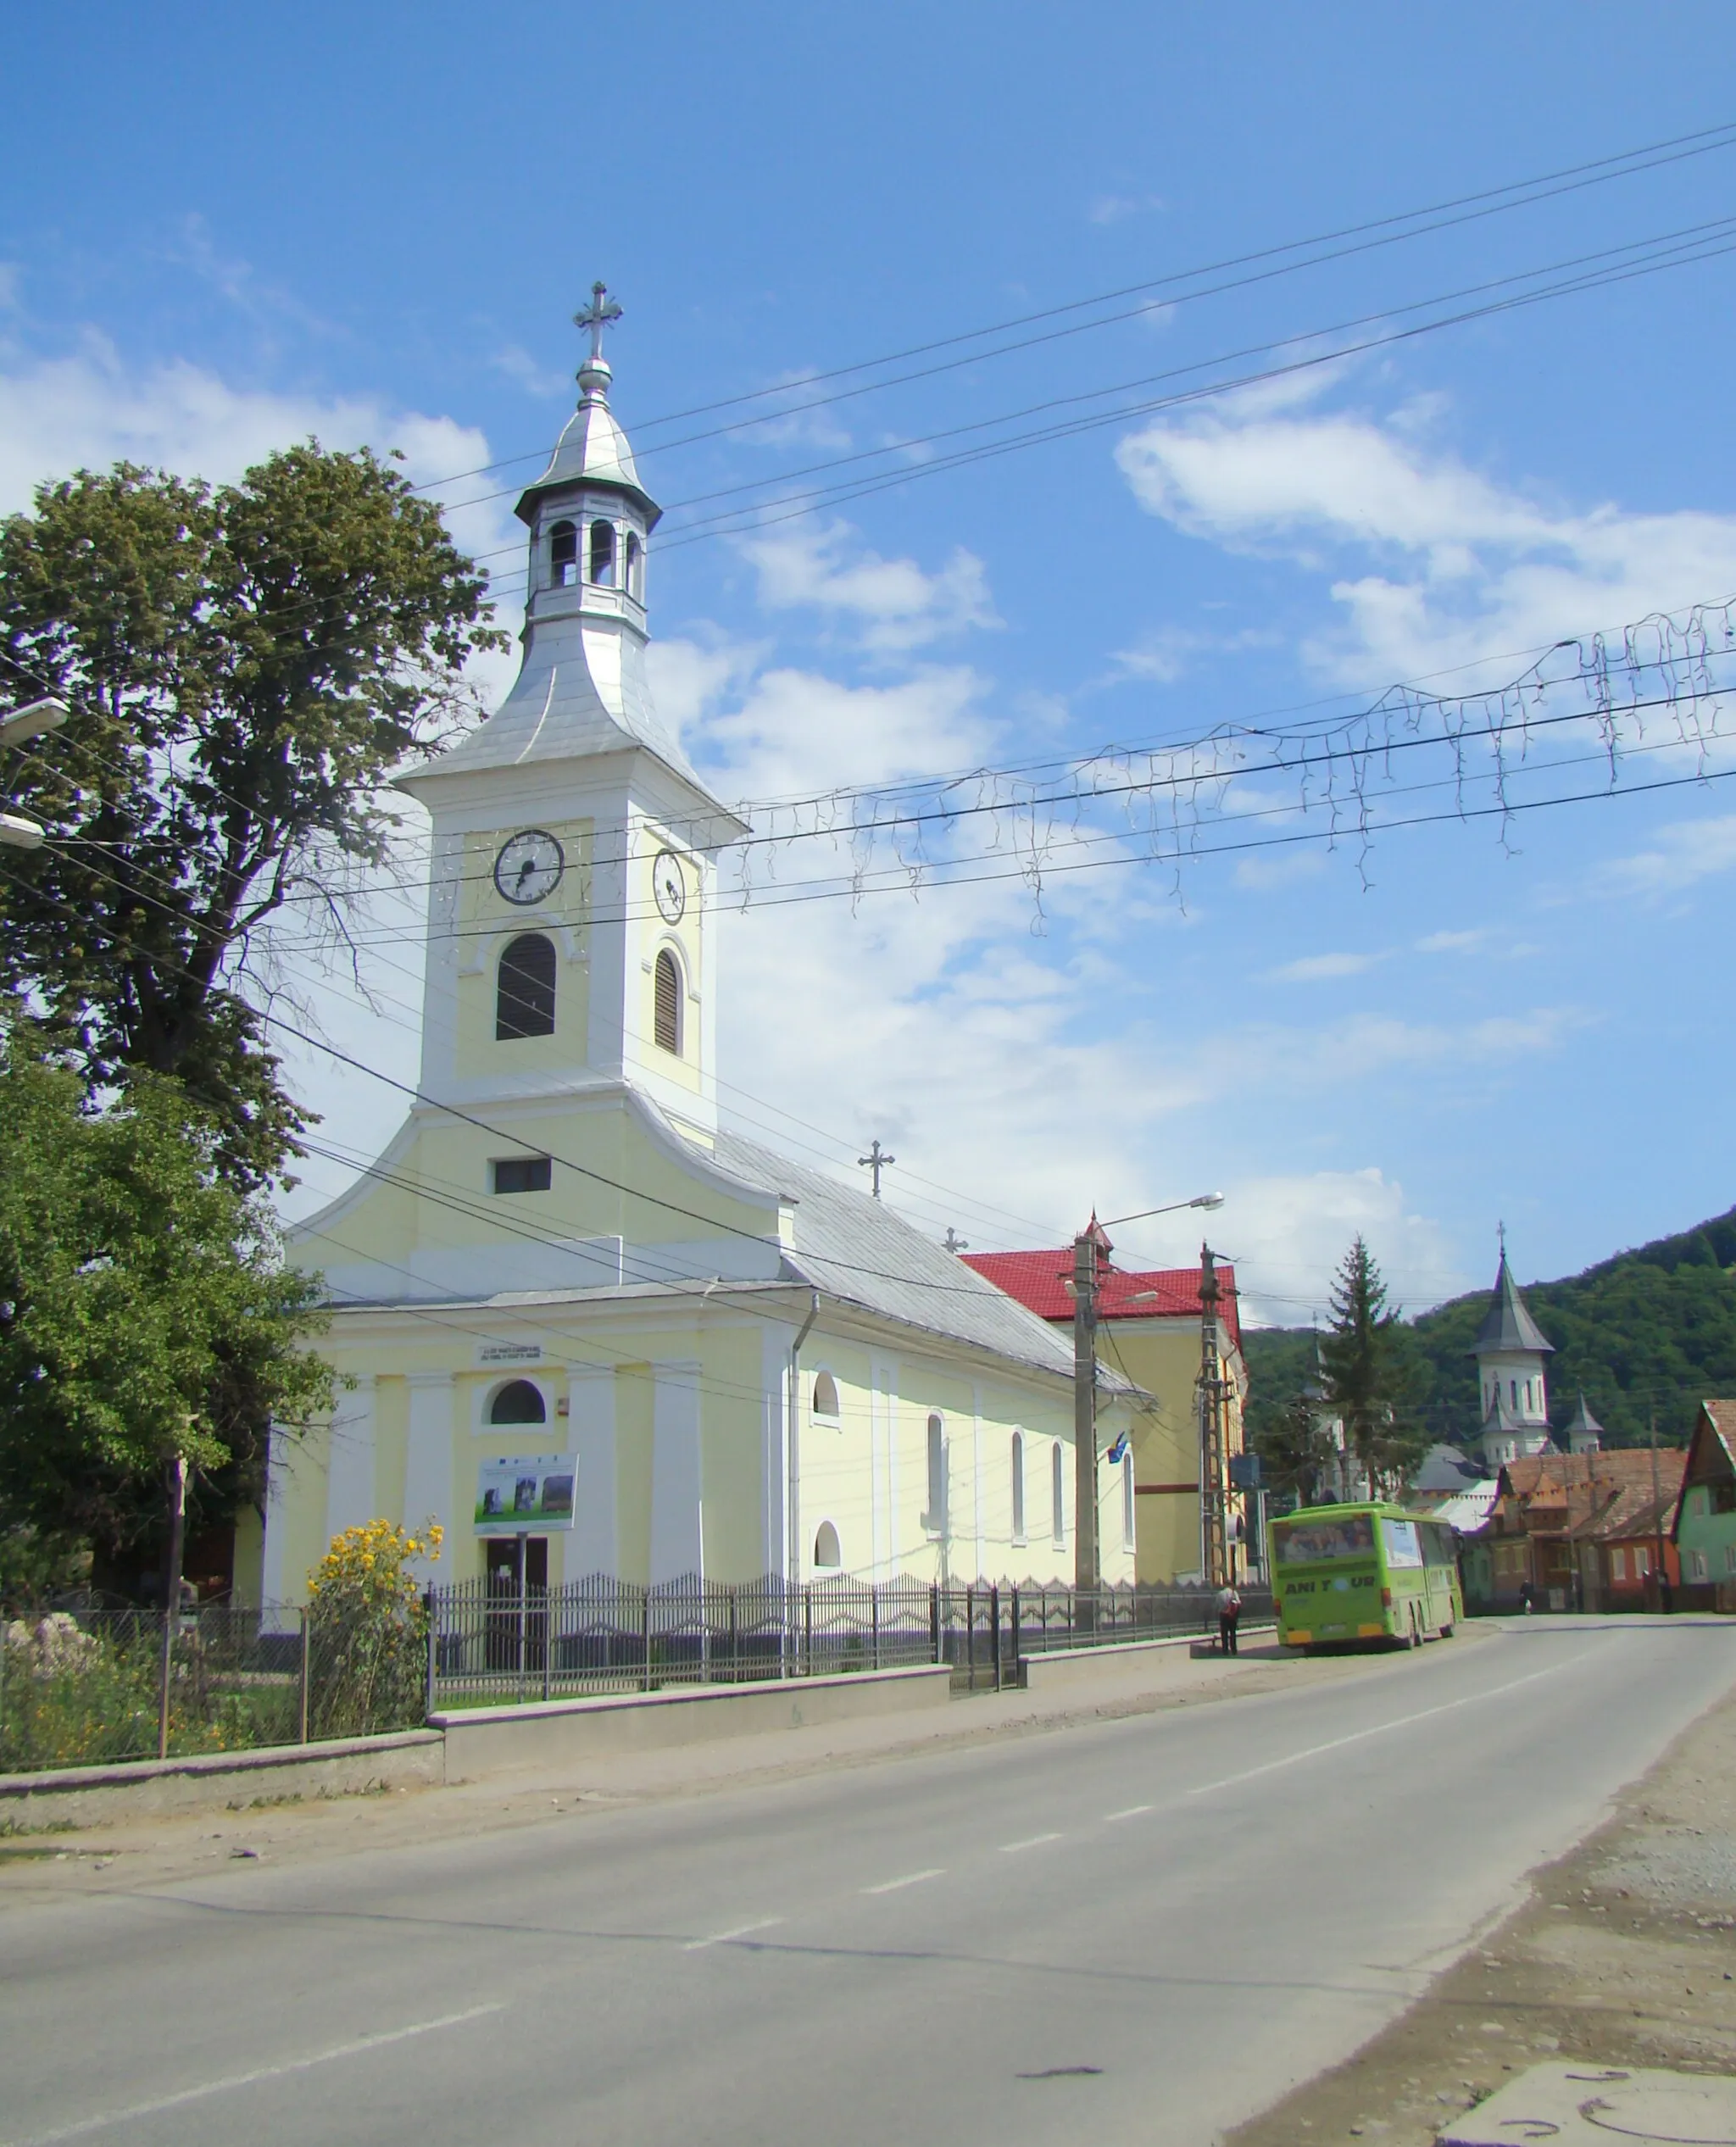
(1151,1335)
(1576,1532)
(1703,1525)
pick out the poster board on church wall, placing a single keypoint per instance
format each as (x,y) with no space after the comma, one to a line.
(526,1494)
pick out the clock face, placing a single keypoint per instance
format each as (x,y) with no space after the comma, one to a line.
(671,884)
(529,866)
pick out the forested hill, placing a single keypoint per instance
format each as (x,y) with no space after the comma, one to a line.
(1654,1327)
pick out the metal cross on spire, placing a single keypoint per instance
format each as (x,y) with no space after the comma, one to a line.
(876,1161)
(1501,1234)
(602,313)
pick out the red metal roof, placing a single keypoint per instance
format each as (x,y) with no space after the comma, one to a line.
(1035,1279)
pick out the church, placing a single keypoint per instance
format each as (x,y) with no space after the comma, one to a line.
(583,1325)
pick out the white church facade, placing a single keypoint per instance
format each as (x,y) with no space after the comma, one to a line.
(571,1306)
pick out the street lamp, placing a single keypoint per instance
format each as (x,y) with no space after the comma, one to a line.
(30,721)
(1082,1287)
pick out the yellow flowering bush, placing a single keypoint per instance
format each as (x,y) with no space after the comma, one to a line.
(369,1630)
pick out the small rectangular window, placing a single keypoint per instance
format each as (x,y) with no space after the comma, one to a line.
(521,1173)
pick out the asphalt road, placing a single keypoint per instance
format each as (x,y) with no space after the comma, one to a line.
(1142,1930)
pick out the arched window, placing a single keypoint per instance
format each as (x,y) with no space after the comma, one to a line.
(524,997)
(1513,1392)
(635,576)
(1018,1486)
(935,1518)
(828,1557)
(603,554)
(563,555)
(1127,1534)
(666,1010)
(826,1396)
(1057,1495)
(518,1402)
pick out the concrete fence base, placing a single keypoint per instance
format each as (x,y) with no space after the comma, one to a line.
(463,1745)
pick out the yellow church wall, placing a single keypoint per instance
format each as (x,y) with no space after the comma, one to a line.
(635,1401)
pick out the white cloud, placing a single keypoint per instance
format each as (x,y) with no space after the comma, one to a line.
(794,732)
(1116,209)
(1435,564)
(1680,855)
(1316,969)
(894,604)
(1289,1233)
(516,364)
(1453,943)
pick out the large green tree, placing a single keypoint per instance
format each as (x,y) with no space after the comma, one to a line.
(246,665)
(145,1312)
(1368,1373)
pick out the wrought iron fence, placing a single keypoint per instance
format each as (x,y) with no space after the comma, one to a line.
(88,1688)
(490,1641)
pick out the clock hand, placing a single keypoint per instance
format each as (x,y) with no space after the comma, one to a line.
(525,869)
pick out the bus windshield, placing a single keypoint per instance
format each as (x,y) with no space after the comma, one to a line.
(1306,1543)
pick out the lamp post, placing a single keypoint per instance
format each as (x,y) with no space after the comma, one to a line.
(30,721)
(1089,1246)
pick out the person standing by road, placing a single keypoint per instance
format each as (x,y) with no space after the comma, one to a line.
(1229,1611)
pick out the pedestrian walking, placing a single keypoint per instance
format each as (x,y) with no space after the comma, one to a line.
(1229,1611)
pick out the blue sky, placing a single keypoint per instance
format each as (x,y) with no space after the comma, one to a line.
(224,229)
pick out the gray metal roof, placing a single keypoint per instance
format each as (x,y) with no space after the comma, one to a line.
(593,449)
(1445,1468)
(1508,1325)
(1582,1421)
(859,1251)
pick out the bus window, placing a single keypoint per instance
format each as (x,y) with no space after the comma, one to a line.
(1400,1540)
(1438,1548)
(1306,1542)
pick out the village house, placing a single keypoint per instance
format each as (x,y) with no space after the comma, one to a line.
(584,1325)
(1576,1531)
(1152,1333)
(1704,1526)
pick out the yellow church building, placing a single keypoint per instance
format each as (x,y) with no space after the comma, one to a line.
(574,1309)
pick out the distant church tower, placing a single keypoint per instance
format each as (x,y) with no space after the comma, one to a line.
(1510,1352)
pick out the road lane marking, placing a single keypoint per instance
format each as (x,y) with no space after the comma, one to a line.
(910,1879)
(1030,1841)
(1133,1812)
(249,2079)
(1356,1736)
(723,1937)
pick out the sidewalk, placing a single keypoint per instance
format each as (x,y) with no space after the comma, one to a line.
(117,1857)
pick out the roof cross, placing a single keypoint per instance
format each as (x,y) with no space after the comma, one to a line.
(602,313)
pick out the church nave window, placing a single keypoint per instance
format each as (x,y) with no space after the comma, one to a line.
(603,554)
(519,1174)
(518,1402)
(1018,1486)
(667,1008)
(563,555)
(524,1002)
(827,1555)
(935,1519)
(1057,1496)
(825,1398)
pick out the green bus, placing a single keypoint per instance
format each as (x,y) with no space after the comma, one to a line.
(1344,1574)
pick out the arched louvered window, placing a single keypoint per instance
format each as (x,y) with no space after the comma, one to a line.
(518,1402)
(666,1013)
(1018,1486)
(563,554)
(1057,1495)
(524,997)
(603,554)
(634,577)
(827,1556)
(935,1518)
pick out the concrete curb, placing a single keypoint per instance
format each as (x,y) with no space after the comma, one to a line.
(1062,1666)
(90,1796)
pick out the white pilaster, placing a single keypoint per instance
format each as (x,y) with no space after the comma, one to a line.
(274,1550)
(349,1475)
(676,1548)
(428,1468)
(591,1432)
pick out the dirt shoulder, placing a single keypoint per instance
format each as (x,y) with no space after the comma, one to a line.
(1624,1955)
(124,1855)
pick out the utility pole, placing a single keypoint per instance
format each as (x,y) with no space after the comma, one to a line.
(1214,1545)
(1657,1517)
(1091,1252)
(171,1595)
(877,1160)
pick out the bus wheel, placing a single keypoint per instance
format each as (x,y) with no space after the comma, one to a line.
(1446,1633)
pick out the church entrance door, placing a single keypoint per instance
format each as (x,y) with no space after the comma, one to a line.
(518,1602)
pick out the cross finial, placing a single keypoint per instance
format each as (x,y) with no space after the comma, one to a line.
(1501,1235)
(954,1243)
(876,1161)
(602,313)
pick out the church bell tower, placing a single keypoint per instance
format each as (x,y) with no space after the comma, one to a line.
(574,846)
